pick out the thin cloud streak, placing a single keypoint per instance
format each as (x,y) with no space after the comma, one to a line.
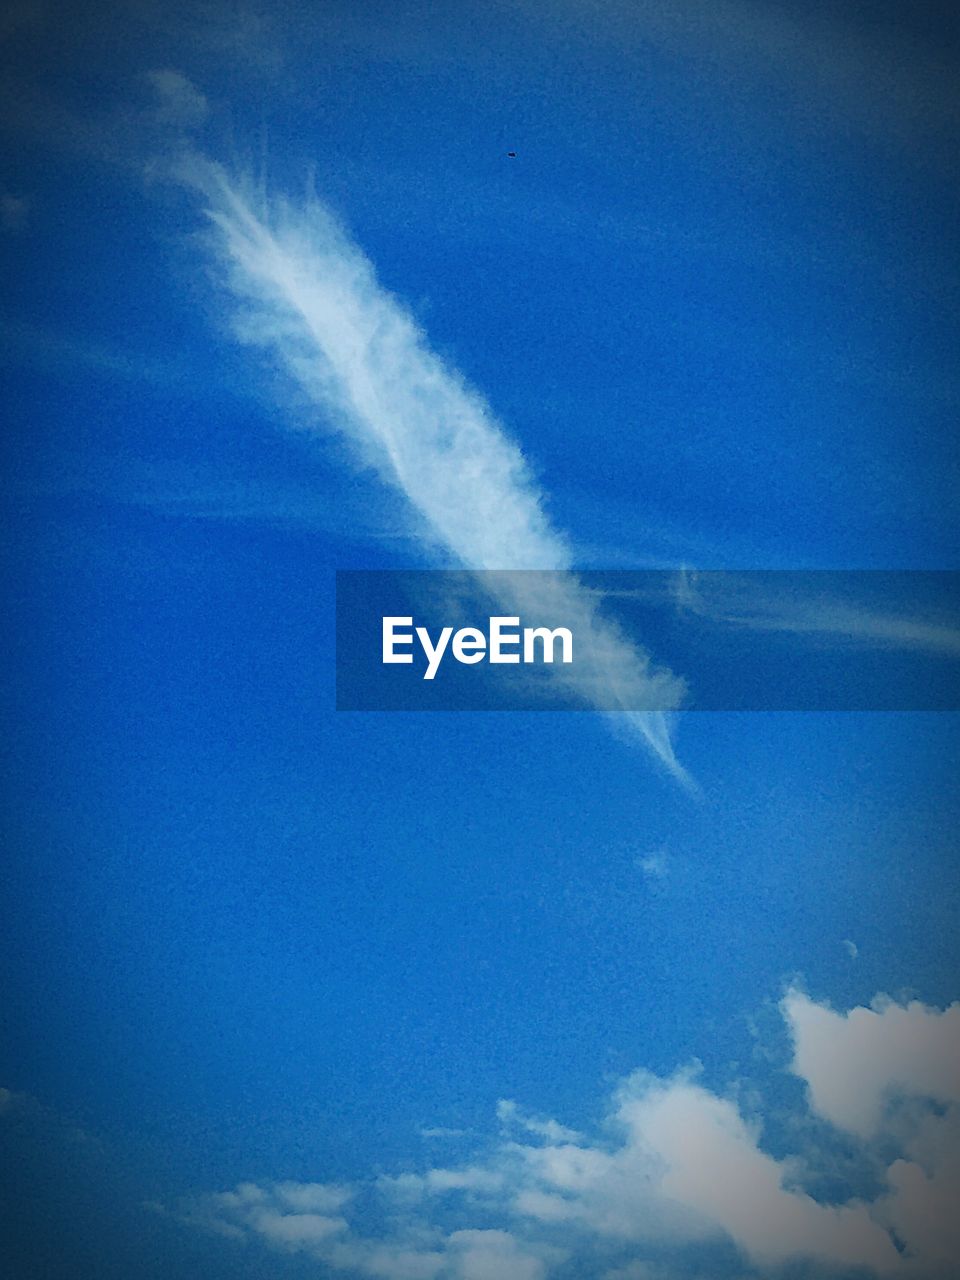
(308,297)
(740,604)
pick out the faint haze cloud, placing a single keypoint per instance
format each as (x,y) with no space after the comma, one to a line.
(179,102)
(14,211)
(654,866)
(751,602)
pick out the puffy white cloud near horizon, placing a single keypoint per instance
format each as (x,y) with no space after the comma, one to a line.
(856,1064)
(677,1167)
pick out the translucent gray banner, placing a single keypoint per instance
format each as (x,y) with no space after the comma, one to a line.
(648,640)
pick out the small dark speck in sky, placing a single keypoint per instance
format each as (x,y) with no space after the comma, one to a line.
(512,154)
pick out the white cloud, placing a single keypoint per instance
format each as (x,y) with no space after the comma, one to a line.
(412,1186)
(296,1230)
(925,1183)
(714,1165)
(632,1271)
(508,1113)
(892,1072)
(922,1209)
(312,1197)
(492,1255)
(306,295)
(856,1064)
(677,1166)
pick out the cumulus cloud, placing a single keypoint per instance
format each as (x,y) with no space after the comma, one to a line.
(305,294)
(492,1255)
(678,1166)
(413,1186)
(714,1164)
(890,1074)
(857,1064)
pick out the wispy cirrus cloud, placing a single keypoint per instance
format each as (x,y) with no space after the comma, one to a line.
(680,1182)
(753,602)
(307,296)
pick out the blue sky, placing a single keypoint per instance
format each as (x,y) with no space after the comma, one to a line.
(293,992)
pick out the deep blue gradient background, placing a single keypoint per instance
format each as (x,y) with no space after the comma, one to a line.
(714,298)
